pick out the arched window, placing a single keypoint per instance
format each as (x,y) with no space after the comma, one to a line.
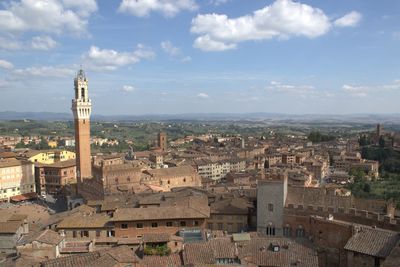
(287,230)
(300,231)
(82,92)
(270,230)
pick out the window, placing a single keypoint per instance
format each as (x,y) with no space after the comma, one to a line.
(183,223)
(220,226)
(271,207)
(85,234)
(196,223)
(270,230)
(139,225)
(210,226)
(184,180)
(169,224)
(124,226)
(97,233)
(300,231)
(287,230)
(154,225)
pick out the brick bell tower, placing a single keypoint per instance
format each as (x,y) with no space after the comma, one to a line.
(82,108)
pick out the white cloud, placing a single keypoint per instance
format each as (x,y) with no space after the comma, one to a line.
(365,90)
(43,43)
(170,49)
(108,59)
(4,64)
(349,20)
(10,44)
(45,71)
(128,88)
(203,95)
(168,8)
(205,43)
(301,90)
(50,16)
(218,2)
(83,7)
(186,59)
(282,19)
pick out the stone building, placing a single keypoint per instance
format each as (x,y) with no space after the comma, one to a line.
(165,179)
(369,247)
(17,178)
(47,156)
(271,198)
(135,222)
(86,226)
(11,231)
(230,215)
(52,178)
(41,245)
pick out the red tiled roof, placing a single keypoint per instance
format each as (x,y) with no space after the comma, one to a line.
(24,197)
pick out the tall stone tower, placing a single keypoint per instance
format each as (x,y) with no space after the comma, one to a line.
(162,141)
(82,108)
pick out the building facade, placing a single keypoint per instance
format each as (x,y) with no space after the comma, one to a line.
(16,178)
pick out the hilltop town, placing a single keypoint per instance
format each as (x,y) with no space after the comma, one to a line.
(206,199)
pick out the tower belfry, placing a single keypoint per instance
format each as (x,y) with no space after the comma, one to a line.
(82,108)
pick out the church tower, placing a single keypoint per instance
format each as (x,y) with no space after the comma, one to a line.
(82,108)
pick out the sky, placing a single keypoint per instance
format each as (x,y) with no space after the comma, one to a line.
(208,56)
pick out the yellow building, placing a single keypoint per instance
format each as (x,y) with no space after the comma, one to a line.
(48,156)
(52,143)
(16,178)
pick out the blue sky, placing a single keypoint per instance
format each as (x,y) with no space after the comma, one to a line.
(192,56)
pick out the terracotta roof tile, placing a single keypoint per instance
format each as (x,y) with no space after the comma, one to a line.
(373,242)
(153,261)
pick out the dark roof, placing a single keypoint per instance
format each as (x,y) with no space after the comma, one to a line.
(394,258)
(373,242)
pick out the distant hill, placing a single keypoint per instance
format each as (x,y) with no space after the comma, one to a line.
(308,118)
